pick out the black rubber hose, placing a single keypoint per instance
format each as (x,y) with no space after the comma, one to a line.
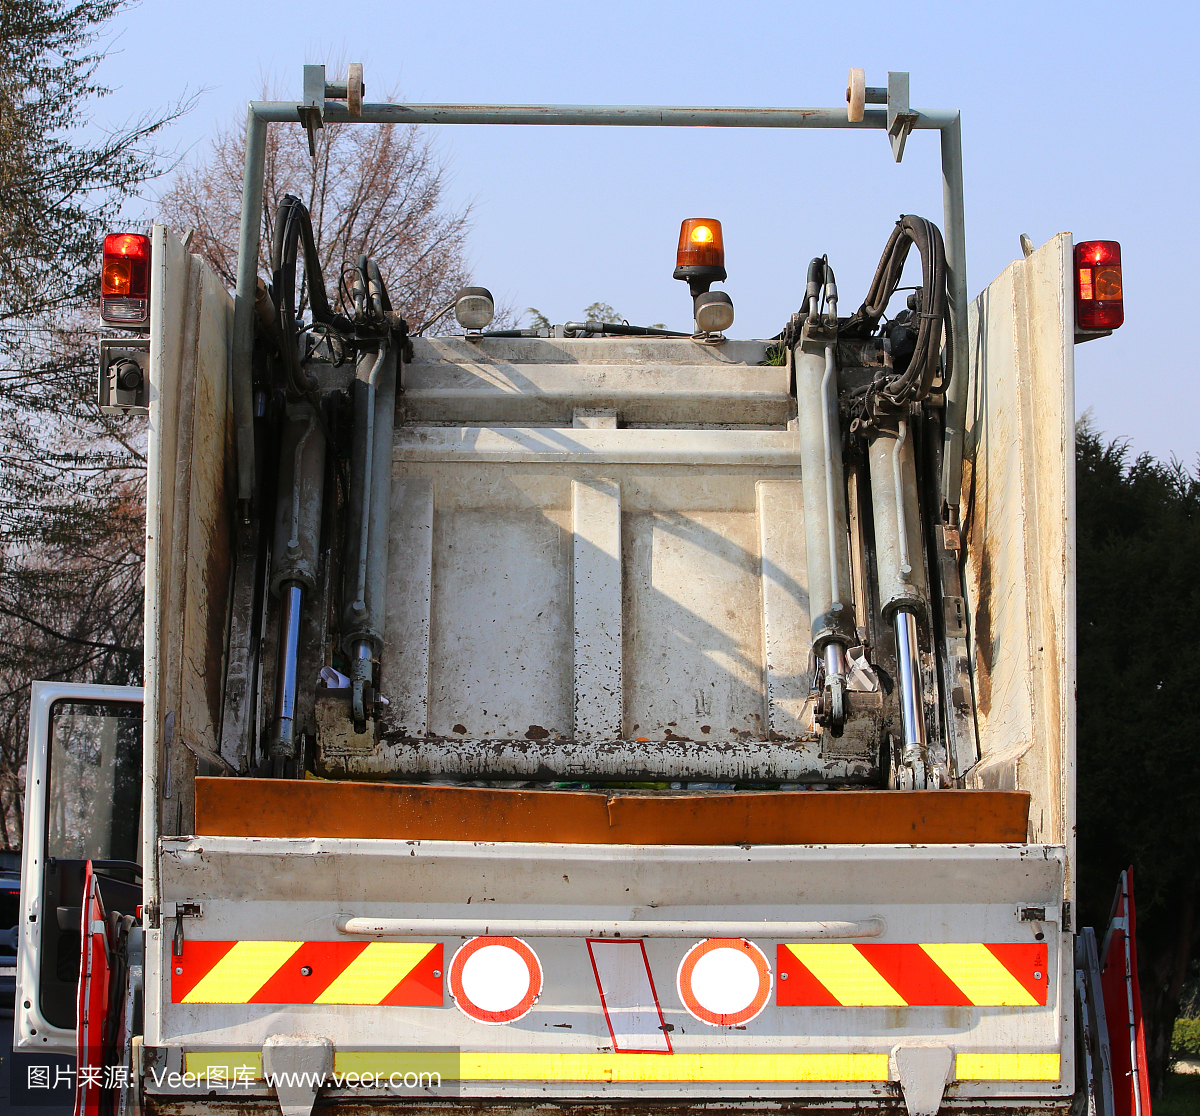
(915,382)
(293,227)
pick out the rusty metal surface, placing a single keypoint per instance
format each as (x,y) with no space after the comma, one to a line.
(318,808)
(538,759)
(1018,535)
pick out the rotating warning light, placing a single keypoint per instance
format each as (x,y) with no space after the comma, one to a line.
(724,982)
(1099,296)
(495,980)
(125,280)
(700,244)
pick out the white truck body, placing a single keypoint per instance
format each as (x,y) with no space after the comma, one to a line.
(597,549)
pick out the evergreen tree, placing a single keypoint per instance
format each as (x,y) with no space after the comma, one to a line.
(1139,712)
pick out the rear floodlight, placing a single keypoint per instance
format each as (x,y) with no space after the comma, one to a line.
(1099,300)
(714,312)
(474,308)
(125,280)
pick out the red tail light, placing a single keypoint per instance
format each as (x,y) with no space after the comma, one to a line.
(125,280)
(1099,301)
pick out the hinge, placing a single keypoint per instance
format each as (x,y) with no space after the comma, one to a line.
(180,911)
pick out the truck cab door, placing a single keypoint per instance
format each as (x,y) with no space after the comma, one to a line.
(83,803)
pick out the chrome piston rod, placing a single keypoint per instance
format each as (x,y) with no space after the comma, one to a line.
(283,745)
(912,705)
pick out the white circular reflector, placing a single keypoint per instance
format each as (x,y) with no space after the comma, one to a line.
(724,981)
(495,980)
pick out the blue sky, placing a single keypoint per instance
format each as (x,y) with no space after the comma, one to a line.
(1075,117)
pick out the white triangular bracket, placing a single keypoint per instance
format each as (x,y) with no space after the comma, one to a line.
(297,1065)
(923,1072)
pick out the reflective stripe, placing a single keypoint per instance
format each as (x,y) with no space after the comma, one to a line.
(673,1067)
(374,973)
(224,1065)
(1007,1067)
(240,973)
(619,1068)
(879,974)
(850,978)
(258,972)
(978,972)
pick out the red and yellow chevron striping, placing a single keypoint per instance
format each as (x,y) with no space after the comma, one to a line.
(395,973)
(950,974)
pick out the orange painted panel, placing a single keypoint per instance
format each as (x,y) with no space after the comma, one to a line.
(314,808)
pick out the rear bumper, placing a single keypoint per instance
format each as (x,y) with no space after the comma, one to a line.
(942,903)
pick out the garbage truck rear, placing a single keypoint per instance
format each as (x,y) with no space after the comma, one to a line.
(595,717)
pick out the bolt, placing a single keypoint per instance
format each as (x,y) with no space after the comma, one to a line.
(1037,976)
(306,970)
(783,976)
(437,972)
(178,971)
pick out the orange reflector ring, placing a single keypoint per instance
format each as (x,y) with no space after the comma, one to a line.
(724,982)
(1108,283)
(700,243)
(495,980)
(116,277)
(943,974)
(395,973)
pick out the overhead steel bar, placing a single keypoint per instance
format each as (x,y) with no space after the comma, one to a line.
(262,113)
(619,116)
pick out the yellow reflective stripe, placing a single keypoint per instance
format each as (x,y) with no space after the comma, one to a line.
(1007,1067)
(673,1067)
(849,976)
(637,1067)
(975,969)
(374,973)
(241,972)
(224,1064)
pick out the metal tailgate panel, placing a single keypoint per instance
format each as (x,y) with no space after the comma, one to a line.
(265,889)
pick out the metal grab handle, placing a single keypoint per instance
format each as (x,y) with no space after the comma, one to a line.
(616,928)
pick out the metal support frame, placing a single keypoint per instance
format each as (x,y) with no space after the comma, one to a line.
(898,120)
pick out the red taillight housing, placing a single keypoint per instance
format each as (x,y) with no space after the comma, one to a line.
(125,280)
(1099,302)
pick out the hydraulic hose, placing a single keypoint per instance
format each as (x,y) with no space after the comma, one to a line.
(293,227)
(914,383)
